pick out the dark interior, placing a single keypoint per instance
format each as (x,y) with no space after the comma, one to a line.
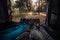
(51,25)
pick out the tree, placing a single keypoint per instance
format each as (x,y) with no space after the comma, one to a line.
(23,3)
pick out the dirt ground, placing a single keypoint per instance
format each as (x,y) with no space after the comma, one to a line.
(41,16)
(17,15)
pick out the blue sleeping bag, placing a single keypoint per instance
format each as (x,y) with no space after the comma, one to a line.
(12,33)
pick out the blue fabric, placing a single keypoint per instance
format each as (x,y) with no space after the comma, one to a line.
(12,33)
